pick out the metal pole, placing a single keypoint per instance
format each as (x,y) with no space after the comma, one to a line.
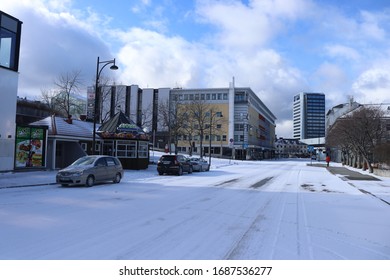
(211,119)
(96,112)
(95,107)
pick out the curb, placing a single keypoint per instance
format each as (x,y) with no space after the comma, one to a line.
(25,186)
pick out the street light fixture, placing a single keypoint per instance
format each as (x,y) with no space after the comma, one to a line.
(97,95)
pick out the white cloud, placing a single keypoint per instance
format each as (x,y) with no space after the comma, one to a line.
(249,26)
(373,85)
(55,41)
(284,128)
(370,25)
(342,51)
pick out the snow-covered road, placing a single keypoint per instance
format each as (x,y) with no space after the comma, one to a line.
(247,210)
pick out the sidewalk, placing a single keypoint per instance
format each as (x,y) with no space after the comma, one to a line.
(346,174)
(27,179)
(350,174)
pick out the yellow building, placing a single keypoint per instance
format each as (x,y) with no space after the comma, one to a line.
(242,127)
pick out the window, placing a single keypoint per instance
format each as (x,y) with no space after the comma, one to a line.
(126,149)
(219,114)
(9,41)
(219,126)
(110,161)
(84,146)
(101,162)
(142,149)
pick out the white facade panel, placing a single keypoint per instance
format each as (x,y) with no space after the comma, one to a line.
(133,102)
(8,89)
(147,108)
(163,98)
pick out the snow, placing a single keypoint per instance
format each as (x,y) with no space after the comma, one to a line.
(240,210)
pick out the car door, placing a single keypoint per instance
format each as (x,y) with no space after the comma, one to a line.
(181,162)
(186,163)
(100,170)
(112,168)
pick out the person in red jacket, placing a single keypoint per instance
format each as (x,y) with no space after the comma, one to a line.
(327,159)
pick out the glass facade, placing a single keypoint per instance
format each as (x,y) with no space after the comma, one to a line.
(309,115)
(315,115)
(10,30)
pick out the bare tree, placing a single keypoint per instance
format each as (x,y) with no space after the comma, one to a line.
(358,133)
(50,99)
(69,85)
(201,118)
(172,116)
(64,97)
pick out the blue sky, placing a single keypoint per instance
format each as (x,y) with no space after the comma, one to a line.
(276,47)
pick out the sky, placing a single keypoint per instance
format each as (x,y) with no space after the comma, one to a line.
(277,48)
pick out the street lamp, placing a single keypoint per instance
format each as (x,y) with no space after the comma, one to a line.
(97,95)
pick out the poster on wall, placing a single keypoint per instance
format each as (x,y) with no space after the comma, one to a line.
(30,147)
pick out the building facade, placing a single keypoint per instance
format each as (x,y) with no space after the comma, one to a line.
(309,117)
(10,34)
(244,126)
(290,148)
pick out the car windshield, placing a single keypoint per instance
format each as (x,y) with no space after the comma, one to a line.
(84,161)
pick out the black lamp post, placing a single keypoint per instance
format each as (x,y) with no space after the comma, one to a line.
(97,95)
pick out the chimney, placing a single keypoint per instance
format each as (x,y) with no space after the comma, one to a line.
(69,119)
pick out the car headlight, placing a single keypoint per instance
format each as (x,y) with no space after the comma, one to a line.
(78,173)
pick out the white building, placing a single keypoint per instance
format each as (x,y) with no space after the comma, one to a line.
(309,118)
(10,32)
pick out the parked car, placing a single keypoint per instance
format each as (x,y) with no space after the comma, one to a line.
(199,164)
(174,164)
(89,170)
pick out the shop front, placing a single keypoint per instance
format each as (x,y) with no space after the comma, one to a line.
(30,147)
(125,140)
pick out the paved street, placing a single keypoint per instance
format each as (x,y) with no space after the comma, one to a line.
(245,210)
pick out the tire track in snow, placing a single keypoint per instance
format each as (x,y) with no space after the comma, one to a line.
(243,247)
(305,227)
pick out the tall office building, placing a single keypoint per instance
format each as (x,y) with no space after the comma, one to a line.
(309,116)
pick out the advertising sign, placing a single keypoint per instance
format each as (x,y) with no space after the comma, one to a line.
(30,145)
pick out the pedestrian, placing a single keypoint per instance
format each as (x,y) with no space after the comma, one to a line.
(327,159)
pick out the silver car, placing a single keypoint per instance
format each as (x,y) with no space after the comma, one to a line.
(89,170)
(199,164)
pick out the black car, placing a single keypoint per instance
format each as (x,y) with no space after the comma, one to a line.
(174,164)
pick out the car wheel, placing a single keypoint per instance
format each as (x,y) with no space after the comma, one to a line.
(201,168)
(180,172)
(90,181)
(160,173)
(64,185)
(190,170)
(117,178)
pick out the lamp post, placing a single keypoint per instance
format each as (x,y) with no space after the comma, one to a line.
(97,95)
(211,121)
